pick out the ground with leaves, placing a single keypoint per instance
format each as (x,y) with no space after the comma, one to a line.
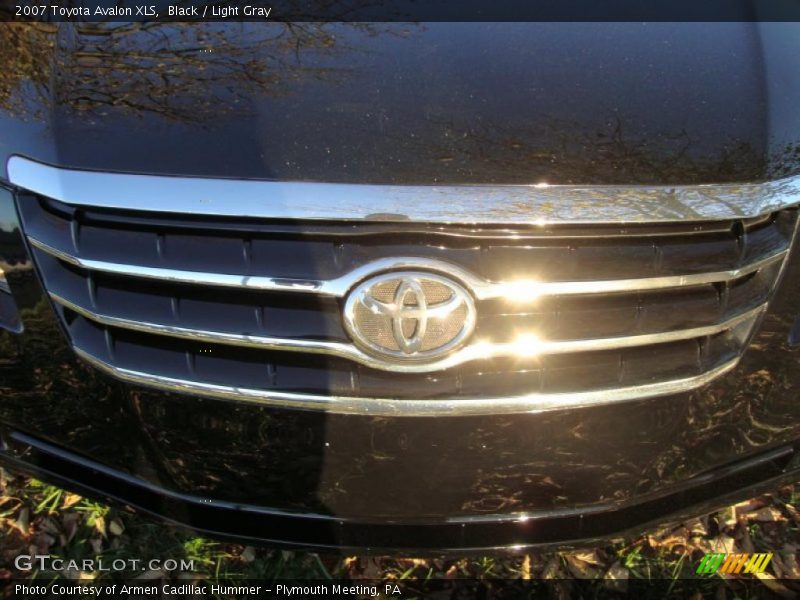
(40,519)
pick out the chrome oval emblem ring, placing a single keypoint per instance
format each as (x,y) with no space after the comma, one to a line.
(404,316)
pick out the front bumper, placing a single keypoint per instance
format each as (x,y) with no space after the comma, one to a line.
(543,529)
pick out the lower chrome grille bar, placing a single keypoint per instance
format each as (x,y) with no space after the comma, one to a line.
(475,351)
(527,403)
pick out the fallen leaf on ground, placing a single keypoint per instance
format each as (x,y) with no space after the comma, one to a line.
(525,571)
(248,555)
(551,569)
(785,569)
(729,517)
(71,500)
(723,543)
(617,571)
(116,527)
(69,523)
(767,514)
(49,526)
(750,506)
(23,521)
(372,570)
(617,578)
(696,527)
(775,586)
(100,526)
(592,557)
(745,543)
(580,568)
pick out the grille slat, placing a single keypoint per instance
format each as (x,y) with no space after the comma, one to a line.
(305,258)
(251,309)
(470,353)
(390,406)
(482,289)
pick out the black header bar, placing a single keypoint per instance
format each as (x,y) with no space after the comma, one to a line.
(55,11)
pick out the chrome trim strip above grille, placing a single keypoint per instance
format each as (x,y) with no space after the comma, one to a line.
(473,351)
(528,403)
(525,290)
(538,204)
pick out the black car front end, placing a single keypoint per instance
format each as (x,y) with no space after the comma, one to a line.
(479,321)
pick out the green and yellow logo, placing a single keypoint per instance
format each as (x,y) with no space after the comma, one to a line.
(734,563)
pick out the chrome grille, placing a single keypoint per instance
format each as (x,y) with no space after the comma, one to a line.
(250,309)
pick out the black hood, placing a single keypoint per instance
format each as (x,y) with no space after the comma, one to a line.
(408,103)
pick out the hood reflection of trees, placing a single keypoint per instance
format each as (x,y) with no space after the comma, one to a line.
(181,71)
